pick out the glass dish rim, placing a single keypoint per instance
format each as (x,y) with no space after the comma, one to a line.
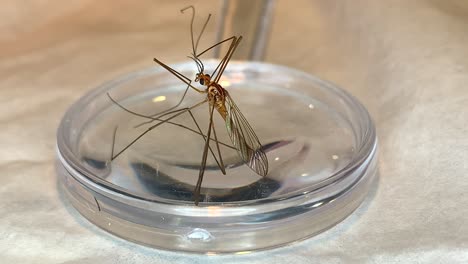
(67,157)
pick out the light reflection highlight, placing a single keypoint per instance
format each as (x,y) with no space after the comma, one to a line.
(243,252)
(225,83)
(214,210)
(317,204)
(159,99)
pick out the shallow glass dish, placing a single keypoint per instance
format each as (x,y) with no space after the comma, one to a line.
(320,143)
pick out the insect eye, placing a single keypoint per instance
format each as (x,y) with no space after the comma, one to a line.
(202,81)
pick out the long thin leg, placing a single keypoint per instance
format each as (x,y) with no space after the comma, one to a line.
(223,63)
(113,141)
(184,78)
(158,124)
(194,48)
(234,39)
(157,118)
(199,63)
(220,165)
(233,42)
(217,44)
(175,106)
(169,122)
(219,151)
(181,77)
(226,61)
(203,161)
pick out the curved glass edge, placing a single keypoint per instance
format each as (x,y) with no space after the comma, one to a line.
(238,227)
(86,177)
(203,235)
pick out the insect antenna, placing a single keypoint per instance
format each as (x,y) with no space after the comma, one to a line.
(195,44)
(198,40)
(191,24)
(201,33)
(199,66)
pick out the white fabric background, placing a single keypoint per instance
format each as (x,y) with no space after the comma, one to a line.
(407,61)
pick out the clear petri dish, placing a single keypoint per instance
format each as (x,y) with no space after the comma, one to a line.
(320,143)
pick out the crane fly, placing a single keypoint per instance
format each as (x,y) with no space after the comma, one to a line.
(243,137)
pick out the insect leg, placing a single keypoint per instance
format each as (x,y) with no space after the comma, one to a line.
(219,151)
(203,161)
(113,141)
(219,163)
(159,119)
(179,75)
(184,110)
(215,45)
(234,40)
(228,58)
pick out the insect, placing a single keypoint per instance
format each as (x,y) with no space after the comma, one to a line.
(243,137)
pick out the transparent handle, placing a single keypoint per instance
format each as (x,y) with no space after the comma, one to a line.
(252,20)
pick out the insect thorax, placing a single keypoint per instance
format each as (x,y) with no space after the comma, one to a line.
(216,92)
(217,95)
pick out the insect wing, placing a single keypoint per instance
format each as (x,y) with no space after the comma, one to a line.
(244,139)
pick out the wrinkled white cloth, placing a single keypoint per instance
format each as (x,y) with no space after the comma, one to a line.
(406,61)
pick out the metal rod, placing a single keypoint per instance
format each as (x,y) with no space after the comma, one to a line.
(252,20)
